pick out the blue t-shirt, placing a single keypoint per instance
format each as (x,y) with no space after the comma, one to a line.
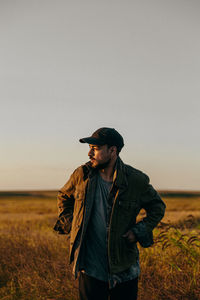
(95,259)
(94,252)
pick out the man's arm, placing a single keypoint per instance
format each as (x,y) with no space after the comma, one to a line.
(65,202)
(154,206)
(155,209)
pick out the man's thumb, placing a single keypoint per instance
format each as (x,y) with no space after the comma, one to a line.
(125,235)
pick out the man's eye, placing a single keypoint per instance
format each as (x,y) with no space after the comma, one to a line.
(94,148)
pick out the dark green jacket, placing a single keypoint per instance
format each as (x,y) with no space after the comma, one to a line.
(131,192)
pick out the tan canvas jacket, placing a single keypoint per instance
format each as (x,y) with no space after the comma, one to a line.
(131,191)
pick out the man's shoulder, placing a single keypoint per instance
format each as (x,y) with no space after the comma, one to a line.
(131,170)
(78,171)
(81,171)
(136,174)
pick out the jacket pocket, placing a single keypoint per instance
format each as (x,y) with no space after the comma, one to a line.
(79,195)
(128,251)
(127,209)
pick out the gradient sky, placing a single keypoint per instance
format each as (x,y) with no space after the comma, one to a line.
(70,67)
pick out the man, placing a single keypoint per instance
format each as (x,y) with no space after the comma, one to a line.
(98,207)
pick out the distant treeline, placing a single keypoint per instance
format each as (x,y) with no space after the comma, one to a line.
(44,194)
(53,193)
(185,194)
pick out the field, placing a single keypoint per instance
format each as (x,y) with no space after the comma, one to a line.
(34,259)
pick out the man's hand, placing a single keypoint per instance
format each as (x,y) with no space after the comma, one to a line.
(63,224)
(130,236)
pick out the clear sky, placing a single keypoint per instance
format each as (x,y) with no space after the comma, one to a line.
(70,67)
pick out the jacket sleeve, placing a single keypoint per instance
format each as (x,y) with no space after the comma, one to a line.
(155,209)
(65,202)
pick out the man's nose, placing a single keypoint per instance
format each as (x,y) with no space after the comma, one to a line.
(90,152)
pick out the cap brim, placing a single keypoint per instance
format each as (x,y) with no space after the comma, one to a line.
(92,141)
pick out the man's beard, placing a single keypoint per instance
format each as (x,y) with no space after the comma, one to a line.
(102,166)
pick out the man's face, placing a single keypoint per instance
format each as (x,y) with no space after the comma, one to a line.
(100,156)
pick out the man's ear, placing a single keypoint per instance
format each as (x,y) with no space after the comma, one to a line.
(113,149)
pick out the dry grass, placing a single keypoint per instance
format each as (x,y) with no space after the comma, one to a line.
(34,259)
(173,264)
(182,203)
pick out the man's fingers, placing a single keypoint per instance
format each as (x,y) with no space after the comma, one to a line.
(130,236)
(125,235)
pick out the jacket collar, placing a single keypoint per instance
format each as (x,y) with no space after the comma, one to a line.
(88,171)
(119,176)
